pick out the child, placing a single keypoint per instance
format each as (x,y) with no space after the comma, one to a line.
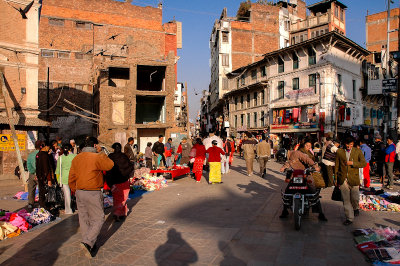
(148,154)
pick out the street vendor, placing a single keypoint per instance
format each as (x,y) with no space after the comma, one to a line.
(158,152)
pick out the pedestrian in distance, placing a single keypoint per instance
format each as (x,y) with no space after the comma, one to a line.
(158,152)
(264,153)
(367,155)
(148,156)
(184,149)
(44,172)
(214,159)
(74,146)
(169,152)
(390,156)
(118,180)
(328,160)
(249,147)
(32,179)
(129,150)
(199,159)
(348,162)
(86,180)
(62,173)
(379,154)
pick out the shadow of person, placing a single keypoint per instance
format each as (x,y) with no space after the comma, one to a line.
(397,223)
(229,258)
(176,251)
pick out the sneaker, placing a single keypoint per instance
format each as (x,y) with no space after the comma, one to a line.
(347,222)
(322,217)
(356,212)
(87,249)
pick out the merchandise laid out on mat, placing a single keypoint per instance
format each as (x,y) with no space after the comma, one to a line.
(14,223)
(24,195)
(172,172)
(380,246)
(108,201)
(378,200)
(143,180)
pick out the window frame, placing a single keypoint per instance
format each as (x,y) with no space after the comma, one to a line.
(281,90)
(262,119)
(242,120)
(295,62)
(84,25)
(255,119)
(248,100)
(281,65)
(63,54)
(263,71)
(354,83)
(241,102)
(262,97)
(44,51)
(56,22)
(236,121)
(295,84)
(255,95)
(248,120)
(312,56)
(254,74)
(225,60)
(225,36)
(312,78)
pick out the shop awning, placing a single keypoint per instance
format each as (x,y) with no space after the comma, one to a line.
(291,104)
(294,130)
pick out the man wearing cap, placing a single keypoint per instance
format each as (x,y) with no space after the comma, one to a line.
(214,159)
(328,160)
(390,155)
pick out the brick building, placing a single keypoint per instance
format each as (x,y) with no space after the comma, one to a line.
(113,58)
(19,67)
(237,41)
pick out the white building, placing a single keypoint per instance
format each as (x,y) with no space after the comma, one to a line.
(311,87)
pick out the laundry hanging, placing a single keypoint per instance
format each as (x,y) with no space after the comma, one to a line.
(295,115)
(341,113)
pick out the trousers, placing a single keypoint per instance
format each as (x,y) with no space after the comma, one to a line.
(32,183)
(351,198)
(224,164)
(263,163)
(67,199)
(249,165)
(389,173)
(91,214)
(120,194)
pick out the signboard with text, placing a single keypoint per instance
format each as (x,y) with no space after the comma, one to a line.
(389,85)
(295,94)
(7,143)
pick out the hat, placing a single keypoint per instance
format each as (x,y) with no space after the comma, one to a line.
(214,142)
(377,136)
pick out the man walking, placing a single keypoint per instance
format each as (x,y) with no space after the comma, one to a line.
(129,150)
(44,172)
(249,146)
(86,180)
(328,160)
(32,180)
(390,155)
(379,154)
(263,153)
(348,162)
(367,155)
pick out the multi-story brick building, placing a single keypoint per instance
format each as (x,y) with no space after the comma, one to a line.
(312,87)
(115,59)
(19,67)
(237,41)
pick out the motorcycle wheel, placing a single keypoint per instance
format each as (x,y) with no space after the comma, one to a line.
(297,214)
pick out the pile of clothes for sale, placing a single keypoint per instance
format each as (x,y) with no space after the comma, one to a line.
(24,195)
(381,246)
(143,180)
(380,201)
(14,223)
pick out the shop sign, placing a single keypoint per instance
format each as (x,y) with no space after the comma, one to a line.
(389,85)
(295,126)
(7,143)
(300,93)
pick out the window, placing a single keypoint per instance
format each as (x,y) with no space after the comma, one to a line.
(242,119)
(63,55)
(241,102)
(225,59)
(281,65)
(224,83)
(83,25)
(312,82)
(339,81)
(295,83)
(295,61)
(242,80)
(312,59)
(354,90)
(293,40)
(248,100)
(336,11)
(255,99)
(255,119)
(56,22)
(248,120)
(301,38)
(312,34)
(236,121)
(305,37)
(322,32)
(79,87)
(262,119)
(47,53)
(254,74)
(236,104)
(262,98)
(264,71)
(341,14)
(281,89)
(225,36)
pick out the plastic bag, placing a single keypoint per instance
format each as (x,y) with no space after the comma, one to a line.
(337,194)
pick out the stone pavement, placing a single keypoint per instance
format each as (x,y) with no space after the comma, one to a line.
(234,223)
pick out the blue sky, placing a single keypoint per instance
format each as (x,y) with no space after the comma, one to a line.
(198,16)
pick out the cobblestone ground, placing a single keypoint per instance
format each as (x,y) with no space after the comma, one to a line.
(234,223)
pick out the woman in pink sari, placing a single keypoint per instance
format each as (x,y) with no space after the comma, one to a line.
(198,159)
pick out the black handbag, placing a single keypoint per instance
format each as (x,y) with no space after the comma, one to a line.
(337,194)
(51,196)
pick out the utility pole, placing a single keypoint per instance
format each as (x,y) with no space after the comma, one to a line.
(48,104)
(398,78)
(385,95)
(187,110)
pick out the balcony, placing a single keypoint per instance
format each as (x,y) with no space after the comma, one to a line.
(310,22)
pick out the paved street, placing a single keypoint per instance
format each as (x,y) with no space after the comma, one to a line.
(235,223)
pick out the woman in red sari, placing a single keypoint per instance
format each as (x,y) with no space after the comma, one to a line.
(199,159)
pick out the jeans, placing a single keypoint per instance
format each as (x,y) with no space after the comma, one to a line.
(224,165)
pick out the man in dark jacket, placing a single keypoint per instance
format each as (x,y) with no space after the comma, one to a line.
(129,150)
(44,172)
(379,155)
(158,150)
(347,165)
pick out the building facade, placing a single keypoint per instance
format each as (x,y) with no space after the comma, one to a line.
(312,87)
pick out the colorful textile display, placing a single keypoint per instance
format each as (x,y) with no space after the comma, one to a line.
(379,202)
(141,172)
(24,195)
(380,245)
(40,216)
(108,202)
(6,229)
(149,183)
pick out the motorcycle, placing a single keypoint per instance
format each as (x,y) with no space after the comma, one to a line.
(281,155)
(298,196)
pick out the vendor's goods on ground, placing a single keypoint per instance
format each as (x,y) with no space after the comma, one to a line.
(24,195)
(14,223)
(381,246)
(379,201)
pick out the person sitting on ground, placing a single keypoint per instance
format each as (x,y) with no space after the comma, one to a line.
(299,160)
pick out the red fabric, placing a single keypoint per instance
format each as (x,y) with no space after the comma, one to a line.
(179,149)
(168,153)
(214,154)
(367,179)
(106,187)
(341,113)
(120,193)
(198,167)
(200,151)
(391,156)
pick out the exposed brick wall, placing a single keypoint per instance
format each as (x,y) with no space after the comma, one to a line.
(12,26)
